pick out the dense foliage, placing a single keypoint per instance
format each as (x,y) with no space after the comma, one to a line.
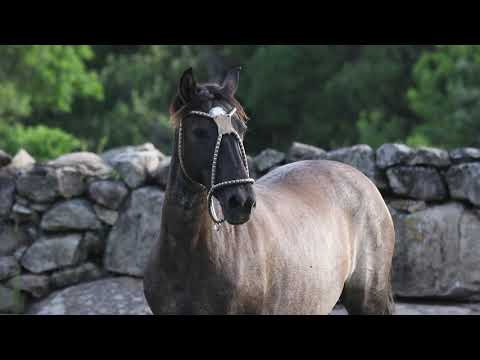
(102,96)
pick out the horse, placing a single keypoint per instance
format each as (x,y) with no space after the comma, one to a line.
(295,242)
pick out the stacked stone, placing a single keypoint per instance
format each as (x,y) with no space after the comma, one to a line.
(76,219)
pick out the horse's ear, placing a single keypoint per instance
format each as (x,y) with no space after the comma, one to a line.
(187,85)
(230,83)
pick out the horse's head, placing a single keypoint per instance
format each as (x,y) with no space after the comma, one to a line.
(211,126)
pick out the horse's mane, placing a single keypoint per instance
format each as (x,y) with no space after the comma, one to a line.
(179,109)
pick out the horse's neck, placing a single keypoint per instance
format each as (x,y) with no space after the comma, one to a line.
(185,208)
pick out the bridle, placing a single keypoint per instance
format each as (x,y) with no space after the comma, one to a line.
(223,120)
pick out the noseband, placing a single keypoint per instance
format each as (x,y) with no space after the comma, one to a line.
(223,120)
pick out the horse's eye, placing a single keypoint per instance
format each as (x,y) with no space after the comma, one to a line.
(200,133)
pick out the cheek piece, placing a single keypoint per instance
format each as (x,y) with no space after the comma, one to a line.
(223,120)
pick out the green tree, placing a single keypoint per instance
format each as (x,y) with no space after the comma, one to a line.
(139,83)
(326,95)
(38,79)
(446,96)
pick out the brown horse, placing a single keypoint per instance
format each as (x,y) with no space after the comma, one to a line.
(301,238)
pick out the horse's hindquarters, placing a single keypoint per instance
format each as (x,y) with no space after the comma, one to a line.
(328,227)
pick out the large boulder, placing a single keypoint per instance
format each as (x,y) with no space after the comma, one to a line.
(389,155)
(465,155)
(419,183)
(268,159)
(85,163)
(39,184)
(135,165)
(109,194)
(430,157)
(54,252)
(77,214)
(464,182)
(436,253)
(131,240)
(300,152)
(7,193)
(114,296)
(361,157)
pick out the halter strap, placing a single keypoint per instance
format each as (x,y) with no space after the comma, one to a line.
(223,122)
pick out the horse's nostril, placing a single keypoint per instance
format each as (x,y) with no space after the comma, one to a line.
(250,204)
(234,202)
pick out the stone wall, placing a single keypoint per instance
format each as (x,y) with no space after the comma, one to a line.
(85,217)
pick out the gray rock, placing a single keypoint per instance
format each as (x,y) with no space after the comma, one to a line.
(85,163)
(300,152)
(423,309)
(84,273)
(116,296)
(109,194)
(409,206)
(7,193)
(18,254)
(417,182)
(11,238)
(393,154)
(36,285)
(361,157)
(465,155)
(39,184)
(23,214)
(5,159)
(464,182)
(9,267)
(77,214)
(22,160)
(108,216)
(71,182)
(436,253)
(268,159)
(135,164)
(40,208)
(430,157)
(160,175)
(11,301)
(110,155)
(21,200)
(21,210)
(251,167)
(131,240)
(94,243)
(53,253)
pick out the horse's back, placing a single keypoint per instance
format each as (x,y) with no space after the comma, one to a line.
(320,183)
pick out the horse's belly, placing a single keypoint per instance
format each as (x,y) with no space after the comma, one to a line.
(310,274)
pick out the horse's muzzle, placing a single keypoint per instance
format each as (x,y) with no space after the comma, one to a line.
(237,204)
